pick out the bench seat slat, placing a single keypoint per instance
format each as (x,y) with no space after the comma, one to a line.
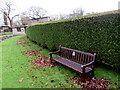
(71,64)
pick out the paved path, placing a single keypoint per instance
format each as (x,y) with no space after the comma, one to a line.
(18,33)
(11,35)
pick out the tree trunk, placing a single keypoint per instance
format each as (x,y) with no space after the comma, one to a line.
(10,25)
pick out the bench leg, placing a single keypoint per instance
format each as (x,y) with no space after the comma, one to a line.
(83,76)
(92,73)
(50,61)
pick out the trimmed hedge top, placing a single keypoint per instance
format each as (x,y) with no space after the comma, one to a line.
(79,17)
(93,33)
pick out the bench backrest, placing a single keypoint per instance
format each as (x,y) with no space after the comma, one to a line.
(77,56)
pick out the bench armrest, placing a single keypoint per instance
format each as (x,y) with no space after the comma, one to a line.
(54,52)
(86,65)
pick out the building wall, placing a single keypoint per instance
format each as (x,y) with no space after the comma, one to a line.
(39,21)
(1,19)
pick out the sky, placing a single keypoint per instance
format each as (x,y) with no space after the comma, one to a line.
(56,7)
(66,6)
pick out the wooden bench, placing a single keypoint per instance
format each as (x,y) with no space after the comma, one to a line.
(79,61)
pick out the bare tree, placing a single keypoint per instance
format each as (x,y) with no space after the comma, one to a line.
(25,20)
(62,16)
(77,12)
(35,12)
(7,9)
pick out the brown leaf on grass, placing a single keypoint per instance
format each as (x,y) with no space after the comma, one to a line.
(28,45)
(33,76)
(46,84)
(95,83)
(34,67)
(56,86)
(33,52)
(32,84)
(21,80)
(70,77)
(22,38)
(44,70)
(66,81)
(29,70)
(30,61)
(72,86)
(22,43)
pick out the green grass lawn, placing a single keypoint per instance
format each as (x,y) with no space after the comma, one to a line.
(16,66)
(0,65)
(6,33)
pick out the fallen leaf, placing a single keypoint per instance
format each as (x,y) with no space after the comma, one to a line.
(52,80)
(56,86)
(46,84)
(21,80)
(66,81)
(32,84)
(32,76)
(70,77)
(29,70)
(44,70)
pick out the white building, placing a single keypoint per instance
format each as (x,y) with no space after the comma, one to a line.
(41,20)
(1,19)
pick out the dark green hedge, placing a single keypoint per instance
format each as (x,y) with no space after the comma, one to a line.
(97,33)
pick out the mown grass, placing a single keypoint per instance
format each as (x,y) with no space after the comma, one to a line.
(16,65)
(0,65)
(6,33)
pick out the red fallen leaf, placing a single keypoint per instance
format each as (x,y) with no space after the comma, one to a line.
(44,70)
(30,61)
(66,81)
(29,53)
(34,67)
(95,83)
(23,43)
(29,70)
(70,77)
(32,76)
(21,80)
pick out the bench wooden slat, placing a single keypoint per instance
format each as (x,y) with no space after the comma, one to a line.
(71,64)
(78,51)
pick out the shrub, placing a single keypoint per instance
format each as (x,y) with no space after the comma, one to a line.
(95,33)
